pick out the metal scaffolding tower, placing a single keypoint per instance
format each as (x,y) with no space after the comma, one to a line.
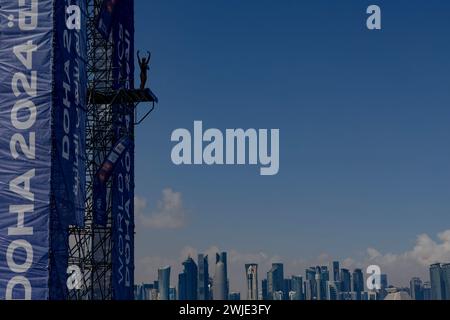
(90,247)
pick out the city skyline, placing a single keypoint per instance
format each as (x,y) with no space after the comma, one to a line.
(326,282)
(404,266)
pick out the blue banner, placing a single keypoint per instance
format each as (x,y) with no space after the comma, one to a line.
(25,147)
(69,125)
(123,176)
(102,177)
(123,226)
(69,135)
(123,39)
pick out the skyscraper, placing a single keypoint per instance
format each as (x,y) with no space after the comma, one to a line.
(220,282)
(346,283)
(384,285)
(287,287)
(325,277)
(164,283)
(318,278)
(446,280)
(336,273)
(278,295)
(358,283)
(332,290)
(203,277)
(138,292)
(297,287)
(147,291)
(182,290)
(187,281)
(172,294)
(264,290)
(358,280)
(310,284)
(234,296)
(416,289)
(426,291)
(384,281)
(275,280)
(437,283)
(251,272)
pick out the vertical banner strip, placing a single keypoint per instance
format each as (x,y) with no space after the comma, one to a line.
(123,176)
(25,147)
(69,136)
(69,114)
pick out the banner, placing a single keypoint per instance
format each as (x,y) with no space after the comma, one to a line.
(123,39)
(69,135)
(102,177)
(123,226)
(69,125)
(25,147)
(123,177)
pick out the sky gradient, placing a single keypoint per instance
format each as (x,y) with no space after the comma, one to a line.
(364,131)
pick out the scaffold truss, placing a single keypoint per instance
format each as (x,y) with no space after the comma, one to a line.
(90,247)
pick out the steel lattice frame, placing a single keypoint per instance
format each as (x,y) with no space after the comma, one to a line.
(90,247)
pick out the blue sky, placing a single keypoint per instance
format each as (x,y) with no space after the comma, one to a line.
(363,118)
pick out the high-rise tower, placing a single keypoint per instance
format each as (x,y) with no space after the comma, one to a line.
(251,273)
(220,282)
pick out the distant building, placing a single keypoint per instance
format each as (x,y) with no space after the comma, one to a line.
(210,288)
(416,289)
(164,283)
(346,296)
(154,294)
(187,281)
(138,292)
(172,294)
(319,288)
(364,296)
(234,296)
(336,273)
(384,281)
(372,295)
(278,295)
(147,291)
(310,284)
(394,294)
(325,277)
(203,278)
(437,282)
(358,283)
(297,287)
(220,282)
(346,281)
(251,273)
(446,280)
(287,287)
(182,294)
(264,290)
(275,280)
(333,290)
(293,296)
(427,291)
(382,293)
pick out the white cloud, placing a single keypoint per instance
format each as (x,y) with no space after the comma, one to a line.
(401,267)
(169,214)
